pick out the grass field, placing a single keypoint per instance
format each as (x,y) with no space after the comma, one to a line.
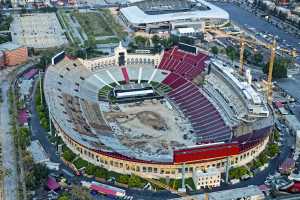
(113,23)
(93,24)
(107,41)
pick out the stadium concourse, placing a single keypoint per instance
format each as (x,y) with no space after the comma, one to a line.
(147,114)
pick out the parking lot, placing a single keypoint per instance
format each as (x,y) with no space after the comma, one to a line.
(38,30)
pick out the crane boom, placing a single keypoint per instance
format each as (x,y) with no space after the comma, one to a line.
(270,72)
(272,47)
(242,49)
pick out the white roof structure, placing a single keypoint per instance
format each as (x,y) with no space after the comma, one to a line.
(293,122)
(251,192)
(137,16)
(38,153)
(186,30)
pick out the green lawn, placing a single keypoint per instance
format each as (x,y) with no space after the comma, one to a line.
(93,24)
(107,41)
(113,23)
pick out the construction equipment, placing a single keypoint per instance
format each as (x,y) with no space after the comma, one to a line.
(242,49)
(272,47)
(165,186)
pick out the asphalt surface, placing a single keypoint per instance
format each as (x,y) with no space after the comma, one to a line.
(246,19)
(291,86)
(8,149)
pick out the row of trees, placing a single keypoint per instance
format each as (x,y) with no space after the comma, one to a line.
(41,109)
(34,174)
(238,172)
(77,193)
(99,172)
(271,151)
(157,43)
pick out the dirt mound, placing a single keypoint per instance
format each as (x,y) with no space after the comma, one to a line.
(152,119)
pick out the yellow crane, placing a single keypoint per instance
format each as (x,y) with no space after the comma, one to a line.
(272,47)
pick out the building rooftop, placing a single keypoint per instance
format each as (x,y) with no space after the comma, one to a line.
(137,16)
(9,46)
(293,121)
(186,30)
(38,153)
(250,191)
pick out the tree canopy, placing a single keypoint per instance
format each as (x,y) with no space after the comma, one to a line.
(214,50)
(279,68)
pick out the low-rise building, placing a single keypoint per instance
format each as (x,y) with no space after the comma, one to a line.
(251,192)
(293,123)
(12,54)
(209,178)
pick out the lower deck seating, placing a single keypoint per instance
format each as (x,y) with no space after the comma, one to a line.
(206,121)
(95,118)
(73,110)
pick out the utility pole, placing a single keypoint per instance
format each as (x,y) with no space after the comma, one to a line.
(49,117)
(40,86)
(182,189)
(227,170)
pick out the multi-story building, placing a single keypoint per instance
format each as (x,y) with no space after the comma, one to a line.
(12,54)
(209,178)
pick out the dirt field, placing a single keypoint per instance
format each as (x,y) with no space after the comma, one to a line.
(151,127)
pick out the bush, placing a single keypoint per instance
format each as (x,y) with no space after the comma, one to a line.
(123,179)
(68,155)
(272,150)
(80,163)
(237,173)
(135,181)
(90,169)
(101,173)
(263,158)
(24,137)
(276,136)
(36,176)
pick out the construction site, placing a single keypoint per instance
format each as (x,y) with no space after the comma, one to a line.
(150,126)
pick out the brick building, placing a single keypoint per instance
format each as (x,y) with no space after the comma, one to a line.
(12,54)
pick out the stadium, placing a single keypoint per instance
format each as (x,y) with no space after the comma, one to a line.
(151,114)
(167,15)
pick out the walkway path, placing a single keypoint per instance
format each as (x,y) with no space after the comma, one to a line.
(9,159)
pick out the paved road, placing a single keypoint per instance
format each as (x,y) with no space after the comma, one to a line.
(291,86)
(8,147)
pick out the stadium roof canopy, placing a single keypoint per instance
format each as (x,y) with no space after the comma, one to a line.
(137,16)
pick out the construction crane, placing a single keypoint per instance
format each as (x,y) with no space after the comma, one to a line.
(272,47)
